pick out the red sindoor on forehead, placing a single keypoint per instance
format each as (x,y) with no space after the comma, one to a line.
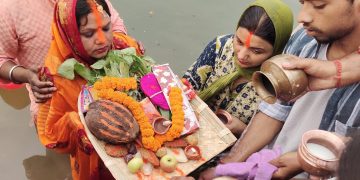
(248,40)
(94,8)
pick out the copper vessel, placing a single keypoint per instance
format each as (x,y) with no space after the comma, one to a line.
(224,116)
(273,82)
(314,163)
(192,152)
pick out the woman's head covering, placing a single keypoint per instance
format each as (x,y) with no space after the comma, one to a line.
(65,19)
(67,28)
(282,18)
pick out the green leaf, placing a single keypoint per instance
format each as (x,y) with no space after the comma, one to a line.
(107,71)
(148,60)
(111,55)
(124,69)
(83,71)
(144,64)
(99,64)
(128,59)
(114,69)
(118,63)
(128,51)
(165,113)
(66,69)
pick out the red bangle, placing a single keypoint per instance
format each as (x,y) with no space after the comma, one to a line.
(338,72)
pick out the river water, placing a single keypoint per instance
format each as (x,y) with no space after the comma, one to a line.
(172,31)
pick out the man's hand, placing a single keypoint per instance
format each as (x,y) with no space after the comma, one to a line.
(288,166)
(208,174)
(42,90)
(321,74)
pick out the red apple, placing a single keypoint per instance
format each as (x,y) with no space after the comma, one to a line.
(168,163)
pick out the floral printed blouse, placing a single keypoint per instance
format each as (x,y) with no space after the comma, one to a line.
(216,61)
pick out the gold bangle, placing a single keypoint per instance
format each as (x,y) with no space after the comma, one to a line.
(11,72)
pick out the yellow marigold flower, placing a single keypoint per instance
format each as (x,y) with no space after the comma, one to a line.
(160,138)
(128,100)
(147,132)
(145,126)
(136,113)
(134,106)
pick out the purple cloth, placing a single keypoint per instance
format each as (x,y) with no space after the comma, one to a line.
(256,167)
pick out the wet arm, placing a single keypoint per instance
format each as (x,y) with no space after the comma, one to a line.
(9,45)
(19,74)
(351,69)
(236,126)
(260,132)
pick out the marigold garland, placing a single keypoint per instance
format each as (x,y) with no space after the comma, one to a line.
(120,84)
(106,91)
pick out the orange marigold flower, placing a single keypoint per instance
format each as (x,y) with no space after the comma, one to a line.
(106,87)
(147,132)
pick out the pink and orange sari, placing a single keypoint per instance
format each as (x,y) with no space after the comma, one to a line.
(58,124)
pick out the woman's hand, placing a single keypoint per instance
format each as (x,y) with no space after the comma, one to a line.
(288,166)
(41,84)
(84,142)
(42,90)
(208,174)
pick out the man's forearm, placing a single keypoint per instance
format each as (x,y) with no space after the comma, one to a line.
(350,69)
(323,74)
(260,132)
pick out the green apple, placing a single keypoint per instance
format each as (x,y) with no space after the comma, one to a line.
(168,163)
(135,164)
